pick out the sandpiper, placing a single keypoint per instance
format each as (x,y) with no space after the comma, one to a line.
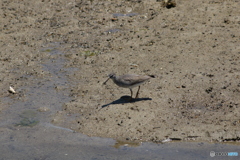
(129,81)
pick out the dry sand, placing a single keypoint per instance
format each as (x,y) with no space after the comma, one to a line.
(192,48)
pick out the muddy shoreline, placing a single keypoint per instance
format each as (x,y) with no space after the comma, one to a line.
(192,48)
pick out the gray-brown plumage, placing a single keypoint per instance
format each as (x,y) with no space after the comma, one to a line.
(129,81)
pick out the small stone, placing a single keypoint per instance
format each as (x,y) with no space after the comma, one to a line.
(43,109)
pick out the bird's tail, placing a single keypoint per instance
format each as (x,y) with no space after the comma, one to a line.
(153,76)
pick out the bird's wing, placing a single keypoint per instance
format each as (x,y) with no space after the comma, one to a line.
(134,79)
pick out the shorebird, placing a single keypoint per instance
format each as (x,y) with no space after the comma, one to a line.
(129,81)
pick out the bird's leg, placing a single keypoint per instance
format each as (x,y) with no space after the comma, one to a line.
(131,92)
(137,92)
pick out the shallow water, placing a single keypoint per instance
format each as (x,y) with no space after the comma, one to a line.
(27,131)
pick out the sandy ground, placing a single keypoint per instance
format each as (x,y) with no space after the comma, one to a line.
(193,49)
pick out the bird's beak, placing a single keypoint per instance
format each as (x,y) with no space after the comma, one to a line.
(105,81)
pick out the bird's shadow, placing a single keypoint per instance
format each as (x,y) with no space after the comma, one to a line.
(126,99)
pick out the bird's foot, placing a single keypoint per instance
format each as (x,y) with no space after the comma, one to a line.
(130,99)
(136,96)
